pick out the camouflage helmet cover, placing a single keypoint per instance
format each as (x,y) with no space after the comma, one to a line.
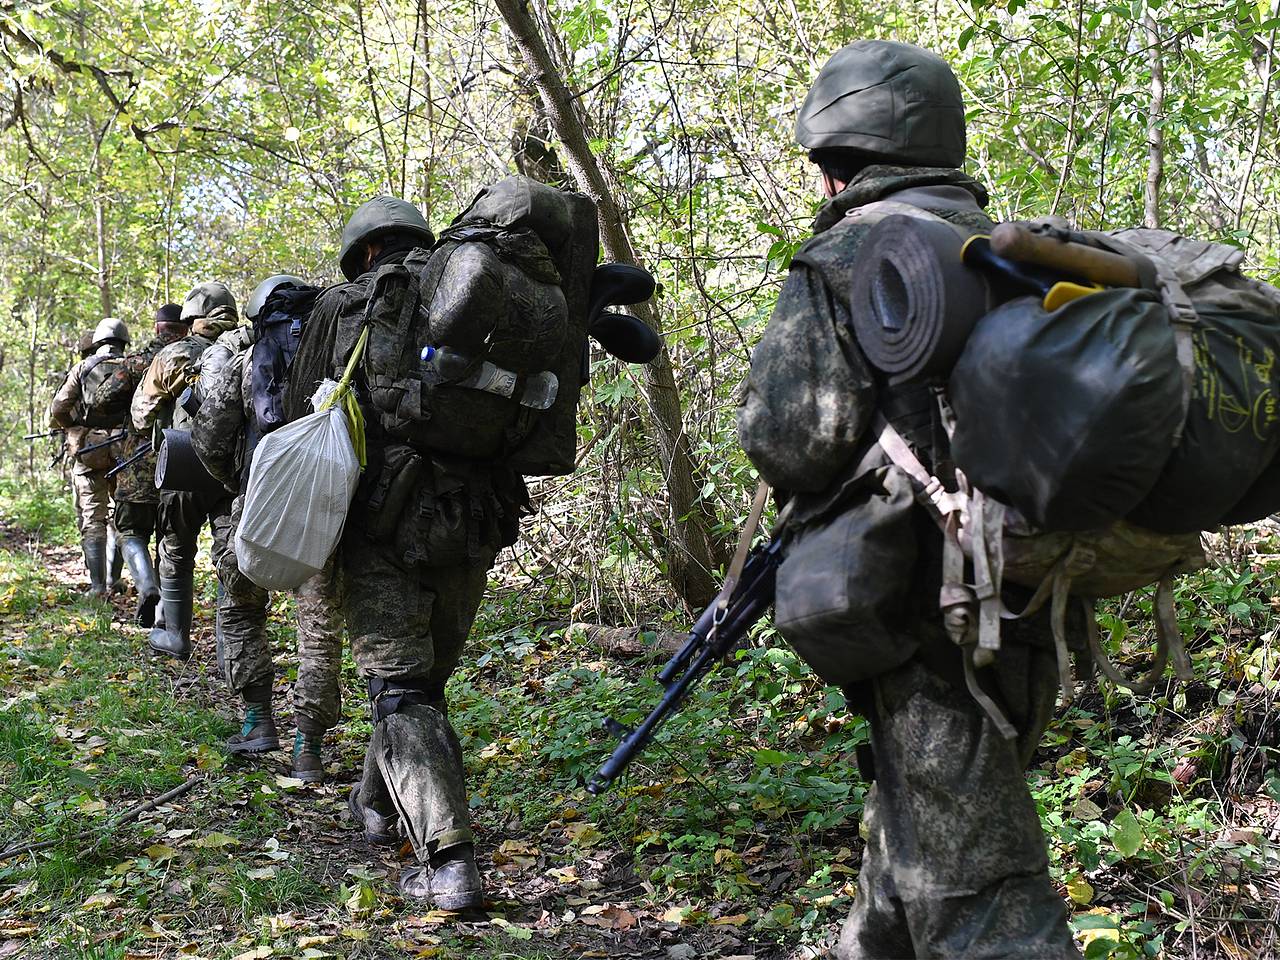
(84,346)
(263,291)
(109,328)
(204,298)
(378,216)
(893,102)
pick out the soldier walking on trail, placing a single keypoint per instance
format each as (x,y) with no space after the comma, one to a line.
(955,862)
(137,500)
(408,618)
(211,310)
(224,434)
(75,409)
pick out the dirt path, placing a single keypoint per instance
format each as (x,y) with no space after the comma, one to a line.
(550,891)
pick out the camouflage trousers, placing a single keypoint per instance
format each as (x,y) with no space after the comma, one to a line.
(92,491)
(244,649)
(955,863)
(136,519)
(408,627)
(178,524)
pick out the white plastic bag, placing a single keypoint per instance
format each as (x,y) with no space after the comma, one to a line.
(300,488)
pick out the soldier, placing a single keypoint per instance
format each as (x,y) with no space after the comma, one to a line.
(75,411)
(955,862)
(137,500)
(408,619)
(224,434)
(211,310)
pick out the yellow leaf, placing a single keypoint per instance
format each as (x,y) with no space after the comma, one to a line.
(215,840)
(99,900)
(1080,890)
(315,941)
(160,851)
(257,953)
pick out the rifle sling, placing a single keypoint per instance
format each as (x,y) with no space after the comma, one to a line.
(739,560)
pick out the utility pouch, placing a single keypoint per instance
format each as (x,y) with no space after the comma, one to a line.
(842,586)
(390,493)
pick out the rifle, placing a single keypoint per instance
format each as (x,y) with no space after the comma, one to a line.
(743,600)
(133,458)
(40,436)
(116,438)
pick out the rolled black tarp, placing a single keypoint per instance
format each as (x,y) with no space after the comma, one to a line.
(1068,416)
(179,468)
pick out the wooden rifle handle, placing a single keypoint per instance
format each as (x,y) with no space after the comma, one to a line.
(1016,241)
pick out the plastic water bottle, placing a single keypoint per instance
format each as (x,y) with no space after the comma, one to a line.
(444,365)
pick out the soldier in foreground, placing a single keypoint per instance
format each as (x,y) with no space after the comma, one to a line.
(955,862)
(408,619)
(211,310)
(224,434)
(88,423)
(137,499)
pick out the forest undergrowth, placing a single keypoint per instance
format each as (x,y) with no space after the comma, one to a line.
(736,835)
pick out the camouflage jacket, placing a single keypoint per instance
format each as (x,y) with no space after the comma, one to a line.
(220,430)
(174,369)
(65,410)
(810,394)
(137,483)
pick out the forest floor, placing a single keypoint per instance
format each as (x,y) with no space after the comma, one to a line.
(737,837)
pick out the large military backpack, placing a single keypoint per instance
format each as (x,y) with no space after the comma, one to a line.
(106,389)
(1094,432)
(476,346)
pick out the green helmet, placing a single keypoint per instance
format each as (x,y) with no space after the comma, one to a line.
(892,102)
(263,291)
(373,218)
(109,328)
(204,298)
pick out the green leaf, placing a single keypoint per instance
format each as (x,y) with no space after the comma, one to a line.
(770,758)
(1127,834)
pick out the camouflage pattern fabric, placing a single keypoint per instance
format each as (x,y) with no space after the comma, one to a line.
(218,431)
(134,518)
(178,525)
(93,501)
(173,370)
(137,484)
(317,694)
(955,863)
(244,650)
(411,626)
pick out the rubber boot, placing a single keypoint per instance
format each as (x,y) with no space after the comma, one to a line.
(451,880)
(173,639)
(95,561)
(258,730)
(308,757)
(138,557)
(115,562)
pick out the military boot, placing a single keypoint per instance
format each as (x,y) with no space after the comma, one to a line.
(172,635)
(138,557)
(258,731)
(308,756)
(381,829)
(95,561)
(115,562)
(450,881)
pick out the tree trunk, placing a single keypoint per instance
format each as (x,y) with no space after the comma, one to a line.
(690,554)
(1155,132)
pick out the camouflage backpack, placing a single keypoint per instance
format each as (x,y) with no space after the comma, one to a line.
(106,388)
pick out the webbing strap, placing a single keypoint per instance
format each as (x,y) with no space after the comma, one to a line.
(734,573)
(937,499)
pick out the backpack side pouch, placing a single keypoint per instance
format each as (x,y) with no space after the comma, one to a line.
(842,587)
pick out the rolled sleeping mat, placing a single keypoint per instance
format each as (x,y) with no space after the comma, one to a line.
(913,301)
(179,468)
(628,338)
